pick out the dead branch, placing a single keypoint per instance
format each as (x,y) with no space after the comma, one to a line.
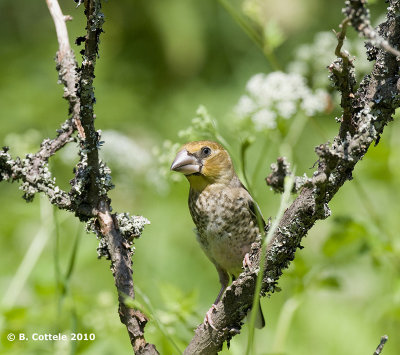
(88,195)
(66,64)
(371,109)
(382,343)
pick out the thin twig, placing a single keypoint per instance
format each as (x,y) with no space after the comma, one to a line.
(66,63)
(341,36)
(379,349)
(343,77)
(61,28)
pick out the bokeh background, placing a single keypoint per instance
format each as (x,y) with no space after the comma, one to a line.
(159,62)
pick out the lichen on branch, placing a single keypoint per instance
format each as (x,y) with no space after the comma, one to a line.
(88,197)
(367,113)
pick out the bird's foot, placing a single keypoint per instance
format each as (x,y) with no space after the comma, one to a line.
(246,261)
(207,318)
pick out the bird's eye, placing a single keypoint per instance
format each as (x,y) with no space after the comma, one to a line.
(205,151)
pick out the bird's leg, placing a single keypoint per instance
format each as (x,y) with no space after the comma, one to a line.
(224,280)
(246,261)
(207,318)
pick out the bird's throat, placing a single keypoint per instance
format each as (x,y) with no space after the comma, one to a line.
(198,182)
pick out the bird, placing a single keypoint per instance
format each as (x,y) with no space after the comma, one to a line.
(222,209)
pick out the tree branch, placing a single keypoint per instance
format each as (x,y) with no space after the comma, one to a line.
(35,176)
(371,109)
(66,64)
(344,79)
(280,170)
(95,20)
(382,343)
(358,15)
(88,196)
(119,247)
(33,170)
(93,176)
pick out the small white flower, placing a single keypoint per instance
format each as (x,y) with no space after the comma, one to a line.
(276,95)
(264,119)
(255,85)
(286,109)
(245,107)
(313,104)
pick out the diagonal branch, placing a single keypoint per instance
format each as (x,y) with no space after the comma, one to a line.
(66,64)
(372,108)
(382,343)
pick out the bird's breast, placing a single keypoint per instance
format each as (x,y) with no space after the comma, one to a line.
(225,226)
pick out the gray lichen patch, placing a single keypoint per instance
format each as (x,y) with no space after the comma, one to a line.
(131,226)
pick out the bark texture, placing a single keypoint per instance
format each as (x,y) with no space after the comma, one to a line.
(366,112)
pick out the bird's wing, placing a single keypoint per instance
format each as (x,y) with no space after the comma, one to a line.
(255,210)
(253,207)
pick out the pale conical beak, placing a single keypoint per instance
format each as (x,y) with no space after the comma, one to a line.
(185,163)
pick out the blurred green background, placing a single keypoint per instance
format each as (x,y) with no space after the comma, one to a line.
(159,61)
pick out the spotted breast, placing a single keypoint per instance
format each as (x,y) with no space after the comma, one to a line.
(226,223)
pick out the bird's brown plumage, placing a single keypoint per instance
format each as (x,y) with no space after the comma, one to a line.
(221,207)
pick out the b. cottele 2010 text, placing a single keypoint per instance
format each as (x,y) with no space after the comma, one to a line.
(59,336)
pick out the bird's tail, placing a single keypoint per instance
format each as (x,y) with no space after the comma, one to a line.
(260,321)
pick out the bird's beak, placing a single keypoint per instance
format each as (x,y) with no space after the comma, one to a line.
(185,163)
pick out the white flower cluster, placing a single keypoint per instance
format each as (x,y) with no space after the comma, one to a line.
(278,94)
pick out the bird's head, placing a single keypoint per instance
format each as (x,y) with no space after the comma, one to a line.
(204,163)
